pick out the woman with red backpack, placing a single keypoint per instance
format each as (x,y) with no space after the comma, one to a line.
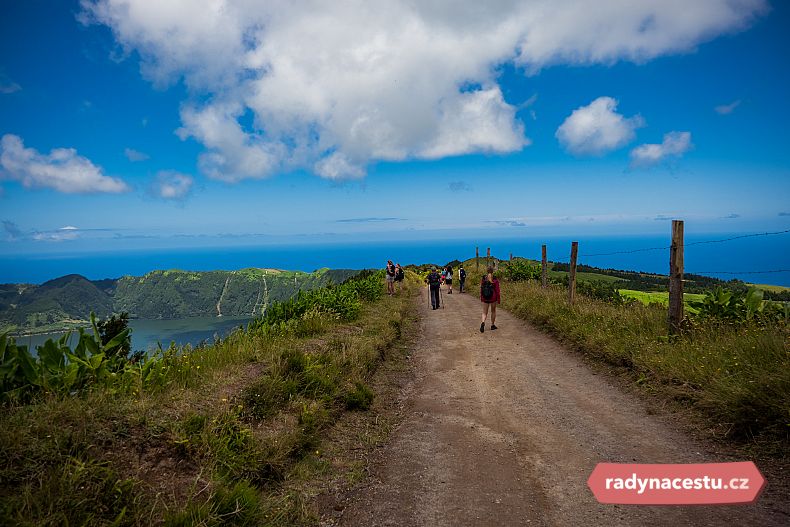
(489,296)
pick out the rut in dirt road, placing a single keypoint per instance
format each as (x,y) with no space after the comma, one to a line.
(505,427)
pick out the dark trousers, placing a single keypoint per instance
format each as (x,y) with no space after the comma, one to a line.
(461,286)
(435,296)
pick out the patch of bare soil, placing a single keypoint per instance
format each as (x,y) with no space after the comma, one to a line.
(504,428)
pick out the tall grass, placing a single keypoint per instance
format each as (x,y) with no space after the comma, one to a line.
(738,375)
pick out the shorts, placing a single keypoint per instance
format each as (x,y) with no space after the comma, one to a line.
(390,278)
(448,281)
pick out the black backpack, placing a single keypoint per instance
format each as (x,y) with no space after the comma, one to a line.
(487,290)
(462,274)
(399,274)
(434,278)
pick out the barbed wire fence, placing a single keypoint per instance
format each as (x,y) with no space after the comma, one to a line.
(701,242)
(677,271)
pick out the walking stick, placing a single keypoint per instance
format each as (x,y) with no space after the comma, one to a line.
(441,297)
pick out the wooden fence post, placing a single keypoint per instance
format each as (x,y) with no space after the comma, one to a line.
(676,278)
(511,257)
(488,257)
(572,275)
(543,263)
(477,258)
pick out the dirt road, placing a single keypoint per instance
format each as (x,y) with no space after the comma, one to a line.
(504,428)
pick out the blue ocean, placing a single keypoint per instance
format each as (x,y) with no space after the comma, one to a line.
(743,258)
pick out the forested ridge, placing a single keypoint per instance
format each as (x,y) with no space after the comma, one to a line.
(68,301)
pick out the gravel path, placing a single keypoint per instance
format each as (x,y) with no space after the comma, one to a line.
(505,427)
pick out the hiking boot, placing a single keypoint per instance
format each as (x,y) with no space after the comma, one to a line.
(482,327)
(493,327)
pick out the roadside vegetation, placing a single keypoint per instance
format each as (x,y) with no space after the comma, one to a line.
(732,363)
(223,434)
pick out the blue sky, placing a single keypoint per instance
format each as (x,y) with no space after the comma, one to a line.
(127,124)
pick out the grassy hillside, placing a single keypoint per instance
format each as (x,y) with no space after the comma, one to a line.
(228,434)
(67,301)
(62,302)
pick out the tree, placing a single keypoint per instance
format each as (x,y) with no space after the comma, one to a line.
(112,326)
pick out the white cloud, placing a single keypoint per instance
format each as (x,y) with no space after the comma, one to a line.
(337,166)
(233,154)
(335,86)
(7,87)
(726,109)
(134,155)
(675,144)
(584,32)
(172,185)
(597,128)
(60,235)
(62,169)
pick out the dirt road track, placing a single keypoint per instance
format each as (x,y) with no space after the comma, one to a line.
(504,429)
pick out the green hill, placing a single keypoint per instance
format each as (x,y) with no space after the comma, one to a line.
(182,294)
(59,302)
(67,301)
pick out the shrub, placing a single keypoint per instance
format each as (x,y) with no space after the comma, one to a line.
(57,368)
(739,307)
(600,290)
(518,270)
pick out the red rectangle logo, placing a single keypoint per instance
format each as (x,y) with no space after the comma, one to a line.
(676,484)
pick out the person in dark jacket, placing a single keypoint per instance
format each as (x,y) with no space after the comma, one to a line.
(399,276)
(434,281)
(489,296)
(461,278)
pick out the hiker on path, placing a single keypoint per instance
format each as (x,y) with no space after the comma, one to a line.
(461,278)
(448,279)
(489,296)
(434,281)
(390,277)
(399,276)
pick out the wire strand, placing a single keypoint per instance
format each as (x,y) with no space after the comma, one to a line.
(646,249)
(737,272)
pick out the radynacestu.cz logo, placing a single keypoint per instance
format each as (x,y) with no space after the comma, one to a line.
(676,484)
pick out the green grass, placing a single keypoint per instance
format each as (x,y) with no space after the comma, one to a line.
(586,276)
(657,297)
(772,288)
(229,435)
